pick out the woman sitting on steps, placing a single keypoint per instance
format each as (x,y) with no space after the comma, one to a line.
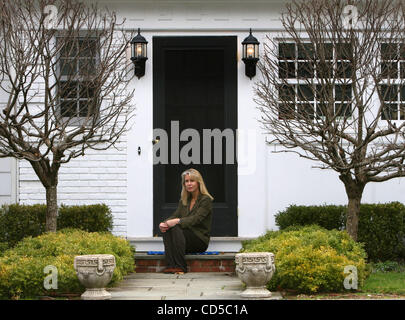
(188,229)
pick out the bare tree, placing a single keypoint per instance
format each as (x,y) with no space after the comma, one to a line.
(65,78)
(333,90)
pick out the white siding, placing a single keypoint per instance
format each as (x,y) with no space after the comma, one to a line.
(8,166)
(8,180)
(98,177)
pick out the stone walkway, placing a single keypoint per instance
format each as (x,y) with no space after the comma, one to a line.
(189,286)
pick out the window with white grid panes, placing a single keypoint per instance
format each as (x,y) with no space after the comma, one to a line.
(314,85)
(77,66)
(392,90)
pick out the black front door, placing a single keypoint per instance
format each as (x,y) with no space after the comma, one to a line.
(195,87)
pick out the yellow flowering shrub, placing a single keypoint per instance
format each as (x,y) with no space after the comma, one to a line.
(22,267)
(311,259)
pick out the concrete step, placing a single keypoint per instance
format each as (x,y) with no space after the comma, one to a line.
(223,262)
(222,244)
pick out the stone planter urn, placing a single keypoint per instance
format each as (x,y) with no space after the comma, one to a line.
(95,272)
(255,269)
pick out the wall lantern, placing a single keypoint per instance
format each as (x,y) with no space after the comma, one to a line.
(139,54)
(250,54)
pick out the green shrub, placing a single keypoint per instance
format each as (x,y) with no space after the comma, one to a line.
(91,218)
(22,268)
(382,230)
(388,266)
(381,226)
(3,247)
(310,259)
(327,216)
(19,221)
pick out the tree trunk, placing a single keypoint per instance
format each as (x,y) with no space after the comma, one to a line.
(354,190)
(352,219)
(51,208)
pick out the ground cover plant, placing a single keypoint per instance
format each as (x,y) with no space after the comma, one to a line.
(22,267)
(381,226)
(311,259)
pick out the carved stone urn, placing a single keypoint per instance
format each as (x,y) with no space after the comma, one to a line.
(95,271)
(255,269)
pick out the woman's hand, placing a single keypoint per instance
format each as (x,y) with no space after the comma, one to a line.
(163,227)
(172,222)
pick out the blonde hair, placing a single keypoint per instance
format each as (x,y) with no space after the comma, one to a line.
(195,175)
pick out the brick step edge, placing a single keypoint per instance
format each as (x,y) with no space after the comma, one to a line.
(194,265)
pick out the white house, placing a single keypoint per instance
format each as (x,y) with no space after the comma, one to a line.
(194,78)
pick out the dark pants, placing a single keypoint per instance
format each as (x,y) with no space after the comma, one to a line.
(177,243)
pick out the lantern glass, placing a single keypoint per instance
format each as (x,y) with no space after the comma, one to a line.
(250,51)
(139,50)
(256,50)
(144,51)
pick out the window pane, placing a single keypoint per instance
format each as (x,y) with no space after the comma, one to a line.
(83,108)
(324,109)
(402,66)
(305,92)
(286,93)
(305,69)
(390,111)
(68,89)
(87,90)
(402,51)
(88,47)
(286,70)
(286,111)
(389,51)
(324,92)
(68,108)
(286,51)
(344,51)
(87,66)
(389,70)
(306,51)
(344,70)
(306,110)
(67,67)
(343,109)
(324,69)
(402,112)
(343,92)
(68,47)
(389,92)
(325,51)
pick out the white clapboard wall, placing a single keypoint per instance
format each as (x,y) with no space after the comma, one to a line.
(8,181)
(8,166)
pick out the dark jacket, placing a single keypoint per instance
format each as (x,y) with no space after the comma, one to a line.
(198,219)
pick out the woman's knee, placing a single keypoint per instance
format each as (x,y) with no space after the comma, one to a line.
(176,229)
(173,230)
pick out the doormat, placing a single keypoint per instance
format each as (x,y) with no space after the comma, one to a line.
(197,253)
